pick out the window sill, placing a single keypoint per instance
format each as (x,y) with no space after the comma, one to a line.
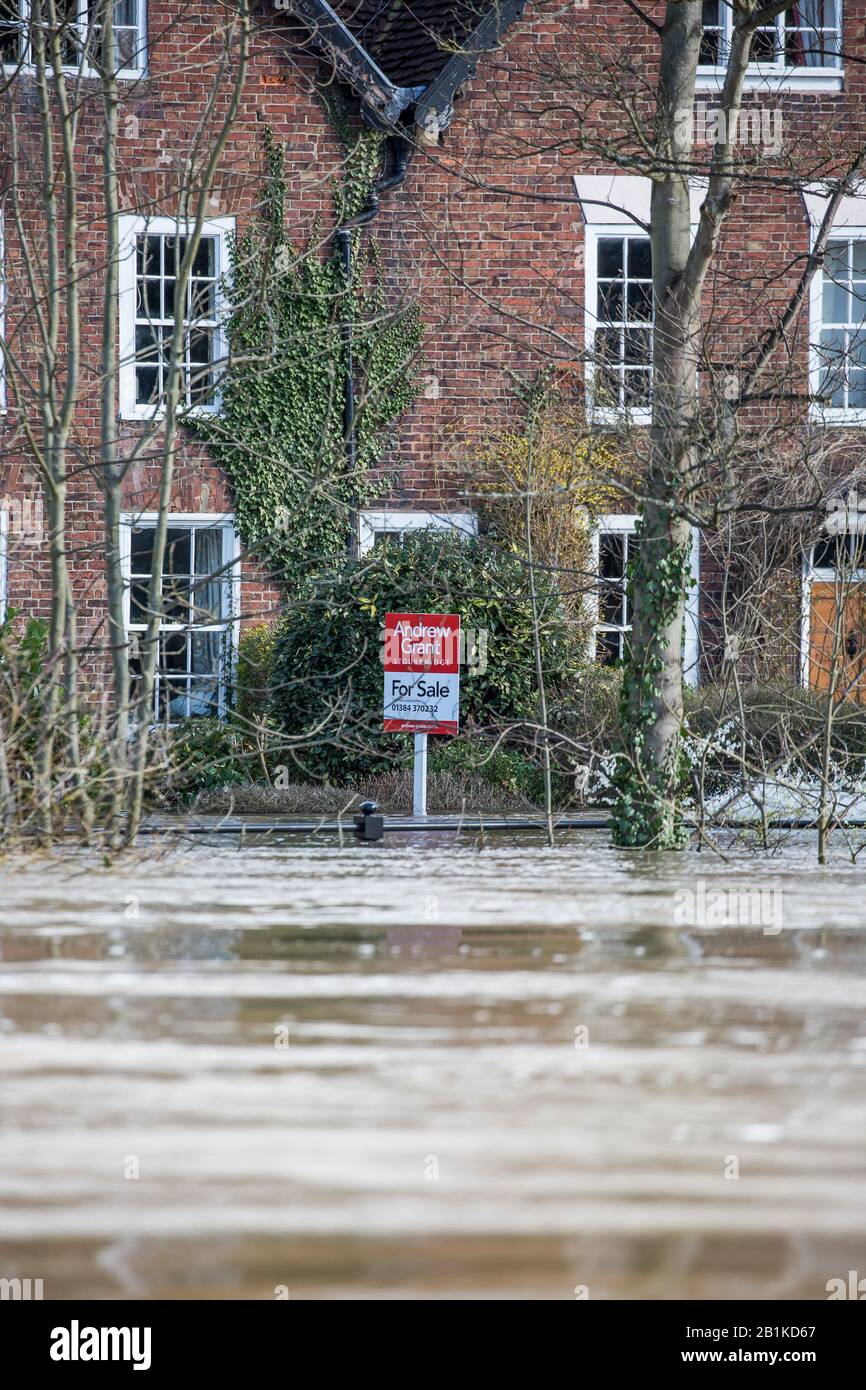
(774,80)
(607,417)
(145,413)
(88,74)
(832,415)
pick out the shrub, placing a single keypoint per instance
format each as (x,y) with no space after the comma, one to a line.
(781,722)
(327,675)
(202,754)
(511,771)
(253,677)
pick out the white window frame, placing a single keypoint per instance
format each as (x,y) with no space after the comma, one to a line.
(131,227)
(371,522)
(616,205)
(4,561)
(25,63)
(849,224)
(231,558)
(638,415)
(624,523)
(774,76)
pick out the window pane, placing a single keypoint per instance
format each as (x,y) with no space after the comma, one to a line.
(610,257)
(640,302)
(607,345)
(640,258)
(765,45)
(173,649)
(637,388)
(139,611)
(607,647)
(148,342)
(204,698)
(611,555)
(637,345)
(206,653)
(72,33)
(202,300)
(209,600)
(147,252)
(832,352)
(11,32)
(857,390)
(178,551)
(610,300)
(836,260)
(204,261)
(201,346)
(858,301)
(835,303)
(610,604)
(141,549)
(711,38)
(381,539)
(146,386)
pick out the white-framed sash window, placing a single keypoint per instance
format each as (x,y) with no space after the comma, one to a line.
(80,36)
(837,312)
(613,542)
(799,49)
(389,527)
(198,630)
(150,252)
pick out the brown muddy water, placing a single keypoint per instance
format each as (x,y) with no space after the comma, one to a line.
(429,1069)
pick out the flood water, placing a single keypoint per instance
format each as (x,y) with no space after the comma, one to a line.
(429,1068)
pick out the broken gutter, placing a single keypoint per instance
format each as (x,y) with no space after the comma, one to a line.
(383,101)
(434,110)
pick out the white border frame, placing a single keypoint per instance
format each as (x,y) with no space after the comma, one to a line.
(625,522)
(128,520)
(393,519)
(131,226)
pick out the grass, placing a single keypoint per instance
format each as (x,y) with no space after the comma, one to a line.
(447,792)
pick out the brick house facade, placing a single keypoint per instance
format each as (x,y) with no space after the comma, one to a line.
(493,228)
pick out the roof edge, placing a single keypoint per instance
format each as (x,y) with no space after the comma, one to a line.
(435,109)
(383,101)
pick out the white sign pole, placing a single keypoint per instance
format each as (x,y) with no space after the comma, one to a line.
(419,795)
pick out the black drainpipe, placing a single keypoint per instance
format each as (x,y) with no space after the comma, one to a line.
(400,151)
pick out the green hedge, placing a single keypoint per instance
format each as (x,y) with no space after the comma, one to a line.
(327,670)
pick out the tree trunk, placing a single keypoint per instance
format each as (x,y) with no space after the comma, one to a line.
(649,775)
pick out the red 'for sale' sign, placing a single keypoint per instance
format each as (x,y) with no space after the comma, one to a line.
(422,673)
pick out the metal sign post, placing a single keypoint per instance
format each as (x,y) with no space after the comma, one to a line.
(419,795)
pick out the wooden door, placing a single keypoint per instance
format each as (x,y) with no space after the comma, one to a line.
(851,651)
